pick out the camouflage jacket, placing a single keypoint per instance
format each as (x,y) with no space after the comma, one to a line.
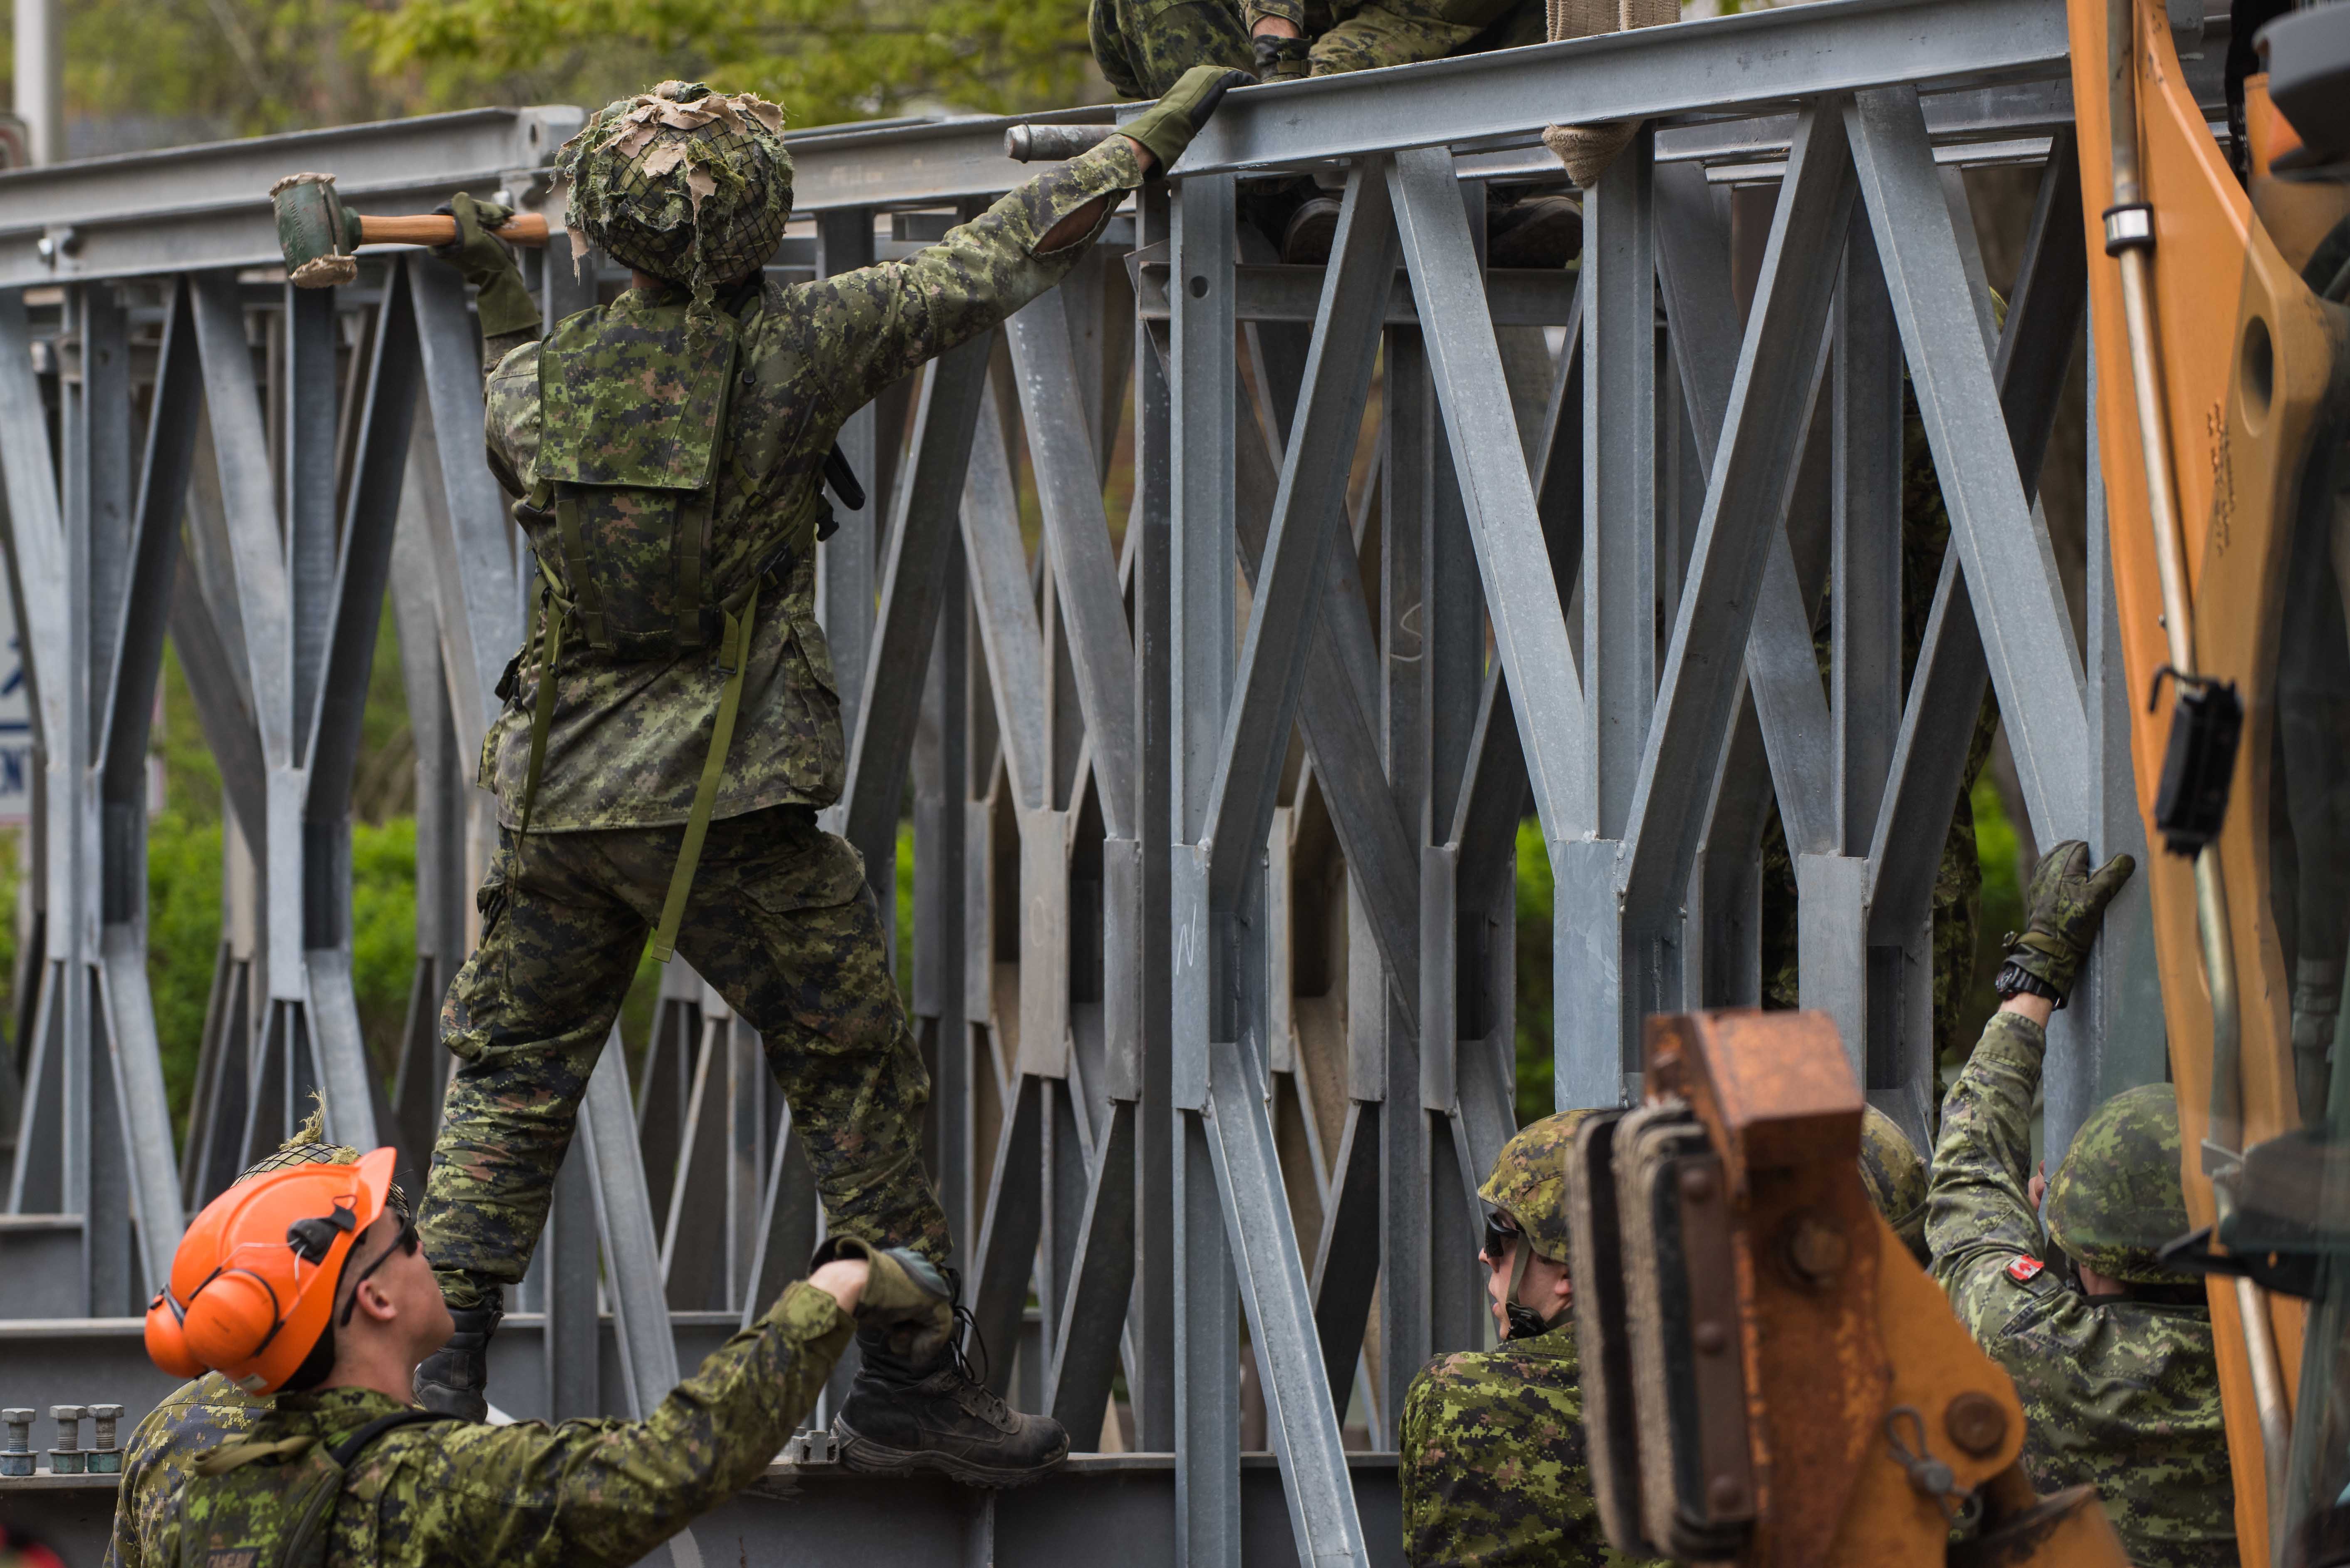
(629,738)
(582,1494)
(2120,1395)
(193,1417)
(1492,1468)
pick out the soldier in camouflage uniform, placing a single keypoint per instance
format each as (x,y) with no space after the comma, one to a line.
(1143,45)
(412,1488)
(2118,1379)
(207,1411)
(1493,1469)
(633,767)
(1895,1174)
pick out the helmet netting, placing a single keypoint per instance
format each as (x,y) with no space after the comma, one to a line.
(690,186)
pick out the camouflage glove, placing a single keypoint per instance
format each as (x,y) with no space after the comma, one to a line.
(905,1295)
(1167,125)
(484,262)
(1282,59)
(2066,903)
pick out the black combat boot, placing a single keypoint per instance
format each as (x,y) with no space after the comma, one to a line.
(901,1417)
(454,1379)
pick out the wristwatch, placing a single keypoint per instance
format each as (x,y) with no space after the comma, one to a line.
(2014,979)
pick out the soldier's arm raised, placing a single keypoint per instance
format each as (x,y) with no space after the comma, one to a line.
(875,325)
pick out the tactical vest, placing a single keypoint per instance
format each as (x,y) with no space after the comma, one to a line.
(620,517)
(271,1504)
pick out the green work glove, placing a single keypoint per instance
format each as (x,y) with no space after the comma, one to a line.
(1282,59)
(484,262)
(2066,904)
(1167,125)
(905,1295)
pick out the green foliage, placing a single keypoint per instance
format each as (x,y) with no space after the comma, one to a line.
(1534,1017)
(824,61)
(184,874)
(184,939)
(383,933)
(238,67)
(2002,905)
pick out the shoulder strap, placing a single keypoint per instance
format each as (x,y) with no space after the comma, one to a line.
(351,1447)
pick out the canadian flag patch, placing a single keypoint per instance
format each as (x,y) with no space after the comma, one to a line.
(2023,1271)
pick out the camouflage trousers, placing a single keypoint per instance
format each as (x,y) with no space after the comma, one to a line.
(1142,45)
(781,923)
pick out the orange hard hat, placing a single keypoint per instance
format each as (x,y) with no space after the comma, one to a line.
(252,1292)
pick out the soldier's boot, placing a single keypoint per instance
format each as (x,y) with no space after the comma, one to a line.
(900,1415)
(454,1380)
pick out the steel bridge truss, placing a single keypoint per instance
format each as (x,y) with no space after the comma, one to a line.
(1215,813)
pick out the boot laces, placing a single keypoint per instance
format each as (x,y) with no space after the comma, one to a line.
(982,1400)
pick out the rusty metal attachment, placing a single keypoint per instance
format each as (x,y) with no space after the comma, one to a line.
(1813,1247)
(1976,1422)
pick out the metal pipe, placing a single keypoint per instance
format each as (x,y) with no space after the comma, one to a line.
(2129,239)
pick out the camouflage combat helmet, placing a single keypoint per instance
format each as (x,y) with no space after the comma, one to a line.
(2116,1198)
(1895,1174)
(1529,1181)
(690,185)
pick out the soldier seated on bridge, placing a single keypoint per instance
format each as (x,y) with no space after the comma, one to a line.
(2118,1378)
(1144,45)
(670,449)
(304,1287)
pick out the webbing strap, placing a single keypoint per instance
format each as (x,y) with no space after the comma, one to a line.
(552,617)
(692,529)
(733,653)
(351,1447)
(576,567)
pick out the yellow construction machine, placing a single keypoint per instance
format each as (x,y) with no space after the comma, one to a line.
(1802,1395)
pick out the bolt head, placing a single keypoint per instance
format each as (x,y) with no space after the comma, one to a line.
(1710,1337)
(1724,1494)
(106,1412)
(1976,1423)
(1697,1186)
(67,1412)
(1817,1247)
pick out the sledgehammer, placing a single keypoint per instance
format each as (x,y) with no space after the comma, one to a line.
(318,235)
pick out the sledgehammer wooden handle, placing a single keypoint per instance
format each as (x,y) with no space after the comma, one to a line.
(439,229)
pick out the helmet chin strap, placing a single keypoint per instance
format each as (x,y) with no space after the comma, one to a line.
(1525,1322)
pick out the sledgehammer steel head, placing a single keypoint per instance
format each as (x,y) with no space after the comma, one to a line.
(317,236)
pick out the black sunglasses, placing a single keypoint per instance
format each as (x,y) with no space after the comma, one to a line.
(407,1241)
(1500,1234)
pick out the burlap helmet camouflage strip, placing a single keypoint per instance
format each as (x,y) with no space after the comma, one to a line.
(690,185)
(2116,1198)
(1529,1181)
(1895,1174)
(309,1146)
